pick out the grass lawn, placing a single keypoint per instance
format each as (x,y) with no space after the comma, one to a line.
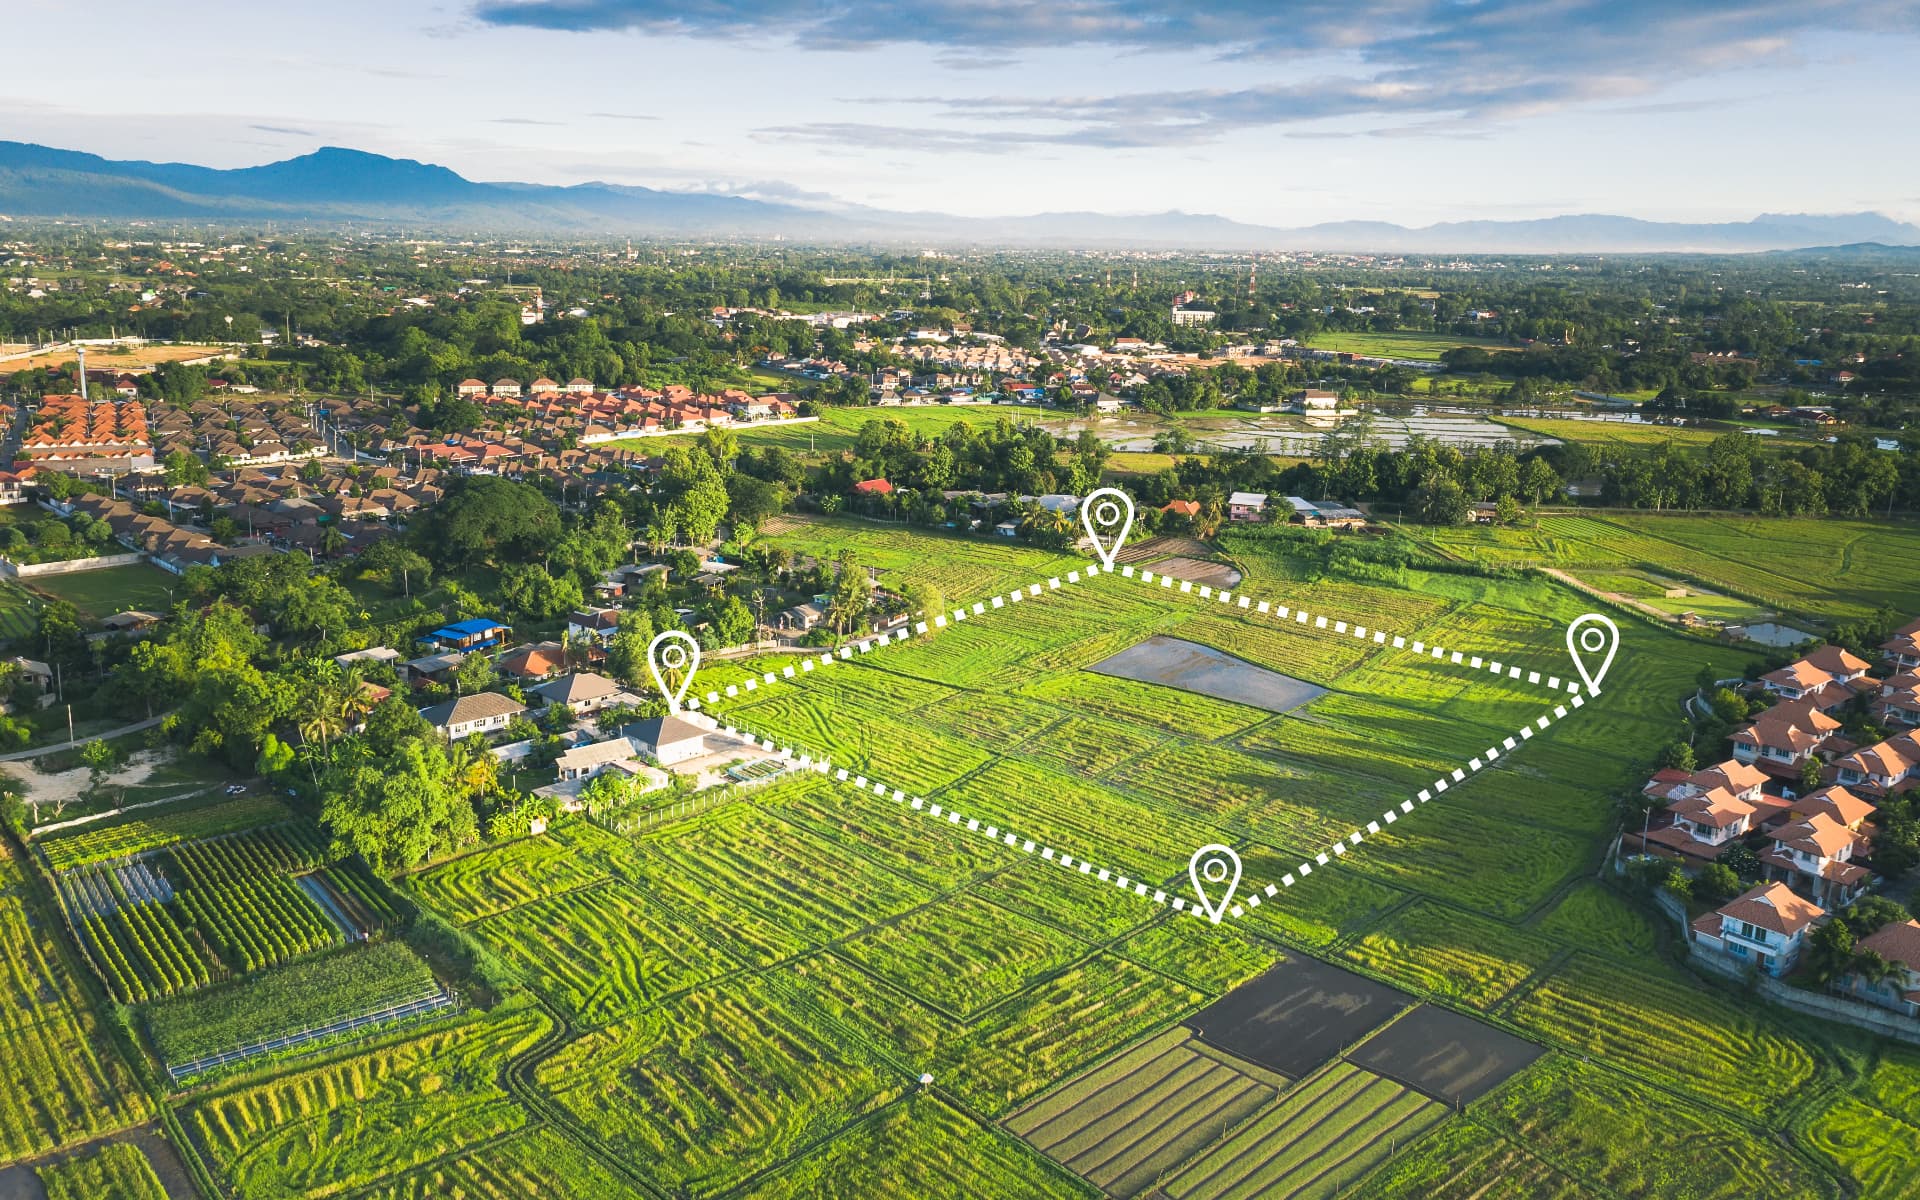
(1428,346)
(115,589)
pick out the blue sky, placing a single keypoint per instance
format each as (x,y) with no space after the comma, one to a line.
(1282,113)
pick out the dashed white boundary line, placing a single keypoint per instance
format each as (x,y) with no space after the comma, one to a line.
(1254,893)
(1300,617)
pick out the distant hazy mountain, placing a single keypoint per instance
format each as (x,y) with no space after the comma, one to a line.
(333,185)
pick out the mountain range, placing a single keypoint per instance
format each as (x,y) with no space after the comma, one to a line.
(333,186)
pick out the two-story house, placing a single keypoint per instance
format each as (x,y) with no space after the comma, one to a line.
(1899,990)
(1709,810)
(1766,925)
(1899,700)
(1882,768)
(1823,676)
(1779,740)
(1814,855)
(1903,648)
(1247,506)
(593,625)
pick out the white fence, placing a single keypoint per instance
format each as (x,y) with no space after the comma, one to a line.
(13,570)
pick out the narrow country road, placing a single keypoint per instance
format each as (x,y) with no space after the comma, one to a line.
(37,751)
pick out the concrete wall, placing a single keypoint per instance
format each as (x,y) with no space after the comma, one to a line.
(1817,1004)
(71,566)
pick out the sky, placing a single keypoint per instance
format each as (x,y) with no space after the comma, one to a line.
(1280,113)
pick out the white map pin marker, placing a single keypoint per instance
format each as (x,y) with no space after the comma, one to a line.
(1219,867)
(1107,515)
(1587,637)
(673,653)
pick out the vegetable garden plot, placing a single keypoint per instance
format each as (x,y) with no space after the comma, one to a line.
(1452,1058)
(1298,1015)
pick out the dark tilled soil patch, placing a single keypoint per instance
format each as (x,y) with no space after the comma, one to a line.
(1298,1015)
(1450,1057)
(1213,574)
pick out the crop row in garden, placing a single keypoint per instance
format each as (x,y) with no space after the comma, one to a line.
(350,1122)
(1464,1158)
(1428,947)
(308,994)
(145,954)
(1324,1136)
(254,915)
(540,1162)
(104,841)
(117,1170)
(1124,1125)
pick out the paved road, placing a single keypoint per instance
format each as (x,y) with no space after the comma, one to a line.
(37,751)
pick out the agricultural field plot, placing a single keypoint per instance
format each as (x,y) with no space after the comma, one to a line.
(350,1122)
(1594,918)
(1478,861)
(106,840)
(1192,667)
(1463,1158)
(987,719)
(891,835)
(1453,1058)
(767,889)
(1618,1135)
(1429,346)
(112,590)
(1324,1136)
(1613,433)
(921,1147)
(1126,1123)
(1013,1051)
(1736,1054)
(310,993)
(1835,568)
(117,1170)
(1041,890)
(1332,904)
(1873,1149)
(860,739)
(1400,743)
(1267,798)
(1115,831)
(962,954)
(571,854)
(698,1093)
(1089,745)
(961,568)
(1215,959)
(602,951)
(60,1081)
(1297,1016)
(1437,949)
(540,1162)
(239,893)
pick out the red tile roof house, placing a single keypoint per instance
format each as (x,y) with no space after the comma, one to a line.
(1779,740)
(1708,811)
(1899,944)
(1822,676)
(873,487)
(1897,702)
(471,387)
(1903,648)
(1890,766)
(1814,856)
(1767,925)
